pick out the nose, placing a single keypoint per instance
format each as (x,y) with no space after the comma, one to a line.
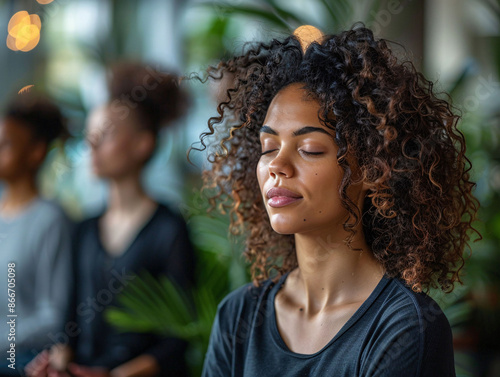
(281,166)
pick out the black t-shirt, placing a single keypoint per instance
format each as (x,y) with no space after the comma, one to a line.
(162,247)
(395,332)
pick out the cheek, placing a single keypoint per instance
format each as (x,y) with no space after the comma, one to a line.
(324,196)
(118,148)
(261,172)
(5,162)
(5,155)
(11,157)
(12,163)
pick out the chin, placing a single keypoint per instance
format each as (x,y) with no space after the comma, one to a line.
(284,226)
(98,172)
(283,232)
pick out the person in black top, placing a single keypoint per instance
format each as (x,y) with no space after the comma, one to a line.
(134,234)
(349,178)
(161,246)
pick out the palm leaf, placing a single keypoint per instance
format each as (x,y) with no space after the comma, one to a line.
(149,304)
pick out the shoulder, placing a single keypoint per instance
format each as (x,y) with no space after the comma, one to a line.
(51,218)
(165,215)
(87,223)
(247,294)
(85,230)
(429,324)
(50,211)
(241,304)
(234,312)
(408,330)
(166,211)
(419,310)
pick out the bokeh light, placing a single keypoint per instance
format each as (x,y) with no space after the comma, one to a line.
(26,89)
(24,31)
(306,34)
(44,2)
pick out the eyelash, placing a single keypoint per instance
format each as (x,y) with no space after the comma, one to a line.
(308,153)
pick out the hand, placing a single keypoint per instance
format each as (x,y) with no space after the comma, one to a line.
(84,371)
(60,356)
(38,367)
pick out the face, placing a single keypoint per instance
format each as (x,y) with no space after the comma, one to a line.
(300,155)
(20,154)
(119,148)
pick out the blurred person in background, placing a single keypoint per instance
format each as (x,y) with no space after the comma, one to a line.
(35,235)
(135,233)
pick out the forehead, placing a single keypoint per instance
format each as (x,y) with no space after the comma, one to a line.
(100,119)
(13,128)
(292,108)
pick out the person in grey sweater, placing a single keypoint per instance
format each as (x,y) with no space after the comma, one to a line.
(35,237)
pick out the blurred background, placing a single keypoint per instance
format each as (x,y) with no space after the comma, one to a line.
(454,42)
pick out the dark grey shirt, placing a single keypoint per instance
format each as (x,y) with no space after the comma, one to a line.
(395,332)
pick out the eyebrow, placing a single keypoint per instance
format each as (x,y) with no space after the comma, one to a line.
(300,131)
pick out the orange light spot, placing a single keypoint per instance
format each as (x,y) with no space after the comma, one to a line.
(35,20)
(307,34)
(16,19)
(24,31)
(28,40)
(26,89)
(11,43)
(44,2)
(14,31)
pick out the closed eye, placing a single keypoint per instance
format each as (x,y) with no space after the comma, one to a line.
(305,152)
(269,151)
(312,153)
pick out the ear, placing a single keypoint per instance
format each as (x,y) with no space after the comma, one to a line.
(37,154)
(145,145)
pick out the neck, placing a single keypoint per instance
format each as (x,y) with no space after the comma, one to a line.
(18,193)
(127,194)
(330,273)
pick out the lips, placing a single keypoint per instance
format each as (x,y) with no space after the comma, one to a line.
(280,197)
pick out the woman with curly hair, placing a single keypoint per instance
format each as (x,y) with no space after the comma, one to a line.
(348,176)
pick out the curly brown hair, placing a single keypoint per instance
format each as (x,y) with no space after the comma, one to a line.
(418,214)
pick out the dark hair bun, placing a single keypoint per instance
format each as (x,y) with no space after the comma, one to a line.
(151,92)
